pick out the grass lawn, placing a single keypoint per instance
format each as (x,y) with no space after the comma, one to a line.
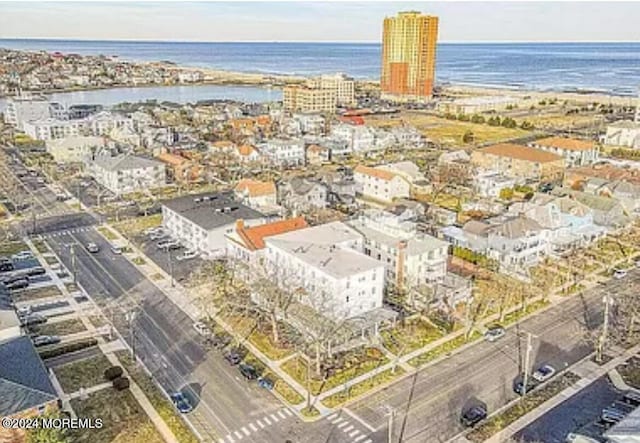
(12,247)
(415,334)
(514,316)
(124,421)
(41,246)
(362,387)
(71,287)
(82,373)
(310,412)
(159,401)
(630,372)
(98,321)
(354,363)
(443,349)
(107,233)
(135,226)
(34,294)
(51,260)
(138,261)
(282,387)
(65,327)
(534,399)
(261,339)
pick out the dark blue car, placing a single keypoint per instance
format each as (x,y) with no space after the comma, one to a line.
(181,402)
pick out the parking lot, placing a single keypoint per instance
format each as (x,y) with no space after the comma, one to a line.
(579,414)
(169,260)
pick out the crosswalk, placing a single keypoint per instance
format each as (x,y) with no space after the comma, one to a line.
(344,425)
(257,425)
(66,232)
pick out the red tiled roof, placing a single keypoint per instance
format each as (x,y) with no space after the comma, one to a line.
(253,237)
(255,188)
(520,152)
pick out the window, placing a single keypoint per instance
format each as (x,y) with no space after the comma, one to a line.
(347,299)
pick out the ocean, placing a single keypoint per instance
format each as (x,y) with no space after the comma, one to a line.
(604,67)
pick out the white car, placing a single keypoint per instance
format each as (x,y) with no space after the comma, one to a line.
(23,255)
(23,311)
(202,329)
(544,373)
(117,250)
(187,255)
(619,273)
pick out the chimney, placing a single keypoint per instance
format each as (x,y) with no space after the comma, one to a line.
(240,225)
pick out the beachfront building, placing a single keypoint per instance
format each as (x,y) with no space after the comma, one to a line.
(520,162)
(477,105)
(575,152)
(342,85)
(52,128)
(73,148)
(20,110)
(409,56)
(625,134)
(301,98)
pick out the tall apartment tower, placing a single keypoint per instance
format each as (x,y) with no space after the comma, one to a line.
(409,56)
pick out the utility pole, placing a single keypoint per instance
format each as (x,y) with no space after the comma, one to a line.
(392,416)
(527,357)
(74,267)
(605,329)
(130,316)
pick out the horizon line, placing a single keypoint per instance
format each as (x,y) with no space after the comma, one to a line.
(368,42)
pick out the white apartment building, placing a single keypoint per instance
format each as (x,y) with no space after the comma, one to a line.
(104,122)
(312,124)
(488,184)
(126,173)
(575,152)
(74,148)
(52,129)
(202,221)
(411,259)
(283,152)
(343,86)
(381,185)
(23,109)
(339,281)
(476,105)
(624,133)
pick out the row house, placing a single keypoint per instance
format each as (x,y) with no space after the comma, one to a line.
(575,152)
(282,152)
(300,195)
(126,173)
(256,194)
(380,184)
(520,162)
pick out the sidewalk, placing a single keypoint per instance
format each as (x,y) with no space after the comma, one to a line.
(151,412)
(587,369)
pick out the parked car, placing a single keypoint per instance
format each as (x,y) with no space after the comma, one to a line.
(38,270)
(544,373)
(518,388)
(202,329)
(632,398)
(117,250)
(6,266)
(248,371)
(187,255)
(233,357)
(44,340)
(33,319)
(619,273)
(93,248)
(221,341)
(612,415)
(18,284)
(494,333)
(22,255)
(266,383)
(181,402)
(158,235)
(473,416)
(579,438)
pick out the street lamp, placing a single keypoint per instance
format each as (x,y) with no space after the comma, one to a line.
(130,317)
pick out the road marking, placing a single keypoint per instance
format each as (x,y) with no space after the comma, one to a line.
(354,433)
(358,438)
(274,418)
(267,420)
(288,412)
(368,441)
(357,418)
(348,428)
(239,435)
(281,414)
(331,417)
(253,427)
(260,424)
(344,423)
(336,420)
(246,431)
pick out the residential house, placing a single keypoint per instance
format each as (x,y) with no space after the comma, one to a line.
(180,169)
(412,174)
(336,279)
(317,155)
(520,162)
(411,259)
(202,221)
(380,184)
(454,167)
(246,244)
(25,388)
(575,152)
(52,129)
(607,211)
(488,184)
(624,133)
(74,149)
(126,173)
(256,194)
(282,152)
(359,139)
(300,195)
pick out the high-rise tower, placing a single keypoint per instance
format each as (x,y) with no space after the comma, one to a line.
(409,56)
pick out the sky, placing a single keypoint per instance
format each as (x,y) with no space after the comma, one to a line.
(317,21)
